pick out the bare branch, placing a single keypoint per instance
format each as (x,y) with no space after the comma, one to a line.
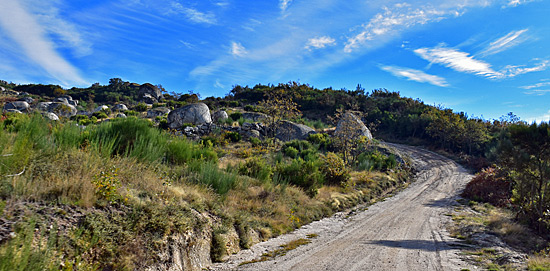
(6,155)
(18,174)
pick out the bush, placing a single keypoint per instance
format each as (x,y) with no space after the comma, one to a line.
(322,141)
(255,141)
(291,152)
(140,107)
(233,136)
(334,169)
(236,116)
(182,151)
(491,186)
(302,173)
(210,175)
(131,113)
(250,108)
(300,148)
(256,168)
(100,115)
(375,161)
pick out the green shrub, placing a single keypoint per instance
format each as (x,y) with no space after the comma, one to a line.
(302,173)
(300,148)
(256,168)
(322,141)
(130,113)
(100,115)
(334,169)
(233,136)
(291,152)
(129,137)
(255,141)
(250,108)
(208,173)
(375,161)
(181,151)
(140,107)
(236,116)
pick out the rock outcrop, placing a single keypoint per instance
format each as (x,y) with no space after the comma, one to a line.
(157,112)
(60,109)
(193,114)
(17,105)
(351,126)
(219,116)
(150,89)
(120,107)
(253,116)
(287,130)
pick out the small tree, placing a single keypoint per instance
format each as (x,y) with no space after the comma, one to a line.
(278,105)
(349,139)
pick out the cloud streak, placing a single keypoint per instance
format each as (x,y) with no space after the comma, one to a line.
(463,62)
(237,49)
(284,4)
(510,40)
(193,15)
(416,75)
(320,42)
(394,20)
(23,28)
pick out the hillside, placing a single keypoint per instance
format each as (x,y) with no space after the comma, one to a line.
(128,176)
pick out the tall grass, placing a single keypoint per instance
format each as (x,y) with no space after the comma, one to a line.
(208,173)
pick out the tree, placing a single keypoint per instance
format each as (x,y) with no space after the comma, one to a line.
(526,155)
(278,105)
(349,137)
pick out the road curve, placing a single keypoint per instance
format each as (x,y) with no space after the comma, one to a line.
(404,232)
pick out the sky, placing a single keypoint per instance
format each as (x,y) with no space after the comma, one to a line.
(485,58)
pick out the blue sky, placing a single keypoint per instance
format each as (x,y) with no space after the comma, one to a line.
(486,58)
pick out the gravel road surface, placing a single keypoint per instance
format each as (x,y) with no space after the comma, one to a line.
(404,232)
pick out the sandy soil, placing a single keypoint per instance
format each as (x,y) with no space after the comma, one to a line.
(404,232)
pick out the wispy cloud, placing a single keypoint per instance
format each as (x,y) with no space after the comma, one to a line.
(514,3)
(457,60)
(393,20)
(22,27)
(512,71)
(284,4)
(320,42)
(538,89)
(463,62)
(416,75)
(504,43)
(237,49)
(193,15)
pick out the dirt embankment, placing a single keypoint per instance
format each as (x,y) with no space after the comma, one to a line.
(404,232)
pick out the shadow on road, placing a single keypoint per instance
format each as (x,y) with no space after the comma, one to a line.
(426,245)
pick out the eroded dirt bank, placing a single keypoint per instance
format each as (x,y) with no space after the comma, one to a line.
(404,232)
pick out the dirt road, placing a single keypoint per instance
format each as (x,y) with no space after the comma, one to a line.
(404,232)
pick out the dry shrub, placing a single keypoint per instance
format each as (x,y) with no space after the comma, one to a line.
(489,186)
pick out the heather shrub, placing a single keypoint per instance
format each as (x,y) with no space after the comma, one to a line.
(256,168)
(491,186)
(334,169)
(304,174)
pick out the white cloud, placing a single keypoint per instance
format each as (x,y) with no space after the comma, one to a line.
(23,28)
(320,42)
(193,15)
(237,49)
(508,41)
(457,60)
(416,75)
(392,21)
(512,71)
(514,3)
(537,85)
(538,89)
(284,4)
(463,62)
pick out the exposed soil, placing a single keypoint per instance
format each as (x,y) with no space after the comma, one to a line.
(404,232)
